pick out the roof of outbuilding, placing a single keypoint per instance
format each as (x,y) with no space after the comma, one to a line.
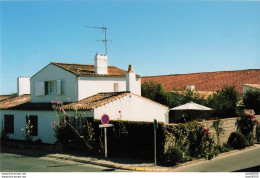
(208,81)
(95,101)
(83,69)
(253,85)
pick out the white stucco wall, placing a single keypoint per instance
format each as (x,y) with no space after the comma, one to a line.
(45,130)
(69,84)
(133,108)
(88,86)
(45,118)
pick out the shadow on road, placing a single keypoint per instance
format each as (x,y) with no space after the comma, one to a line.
(40,150)
(108,170)
(250,169)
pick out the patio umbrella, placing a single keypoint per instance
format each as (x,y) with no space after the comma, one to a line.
(191,106)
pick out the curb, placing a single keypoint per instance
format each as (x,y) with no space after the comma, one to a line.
(145,169)
(110,165)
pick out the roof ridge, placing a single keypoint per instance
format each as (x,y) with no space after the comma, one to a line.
(201,72)
(78,64)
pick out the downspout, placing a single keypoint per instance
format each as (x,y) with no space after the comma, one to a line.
(77,88)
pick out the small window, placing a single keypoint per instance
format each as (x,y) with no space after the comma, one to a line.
(116,87)
(33,123)
(9,124)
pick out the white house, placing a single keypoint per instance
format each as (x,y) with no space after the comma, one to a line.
(94,89)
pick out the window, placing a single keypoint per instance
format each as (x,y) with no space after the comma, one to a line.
(33,123)
(9,124)
(51,87)
(116,87)
(48,88)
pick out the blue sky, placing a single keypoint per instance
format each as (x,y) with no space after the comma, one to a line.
(157,37)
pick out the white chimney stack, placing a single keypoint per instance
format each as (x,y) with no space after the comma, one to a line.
(100,64)
(190,87)
(23,85)
(130,79)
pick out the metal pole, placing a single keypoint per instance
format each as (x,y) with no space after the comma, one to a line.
(105,129)
(154,128)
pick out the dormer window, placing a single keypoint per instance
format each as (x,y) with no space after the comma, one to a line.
(50,87)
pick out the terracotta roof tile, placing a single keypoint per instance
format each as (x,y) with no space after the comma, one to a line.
(208,81)
(4,97)
(95,101)
(14,102)
(89,103)
(83,69)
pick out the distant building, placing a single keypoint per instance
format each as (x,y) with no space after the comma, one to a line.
(207,81)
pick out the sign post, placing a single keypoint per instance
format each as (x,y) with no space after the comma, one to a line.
(105,125)
(155,126)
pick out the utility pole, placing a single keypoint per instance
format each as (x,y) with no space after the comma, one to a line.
(155,126)
(105,40)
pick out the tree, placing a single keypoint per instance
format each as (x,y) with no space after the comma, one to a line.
(224,102)
(155,92)
(251,100)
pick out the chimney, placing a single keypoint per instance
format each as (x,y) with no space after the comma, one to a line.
(130,79)
(23,85)
(190,87)
(100,64)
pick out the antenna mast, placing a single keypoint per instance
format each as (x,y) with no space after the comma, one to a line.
(105,40)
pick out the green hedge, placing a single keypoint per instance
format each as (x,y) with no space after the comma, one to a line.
(126,138)
(136,139)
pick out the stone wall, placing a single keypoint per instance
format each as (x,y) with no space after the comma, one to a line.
(229,125)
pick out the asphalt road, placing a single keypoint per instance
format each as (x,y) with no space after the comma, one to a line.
(19,163)
(242,161)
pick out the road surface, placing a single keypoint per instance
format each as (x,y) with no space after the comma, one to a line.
(19,163)
(243,161)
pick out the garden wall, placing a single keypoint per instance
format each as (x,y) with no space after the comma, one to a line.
(229,125)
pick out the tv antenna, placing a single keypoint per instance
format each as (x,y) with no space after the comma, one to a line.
(105,30)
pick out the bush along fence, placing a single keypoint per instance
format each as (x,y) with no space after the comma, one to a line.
(175,142)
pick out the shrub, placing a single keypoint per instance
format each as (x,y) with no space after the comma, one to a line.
(224,102)
(173,156)
(194,140)
(258,132)
(237,140)
(223,149)
(246,125)
(251,100)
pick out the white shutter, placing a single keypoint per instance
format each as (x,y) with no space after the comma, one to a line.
(39,89)
(59,87)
